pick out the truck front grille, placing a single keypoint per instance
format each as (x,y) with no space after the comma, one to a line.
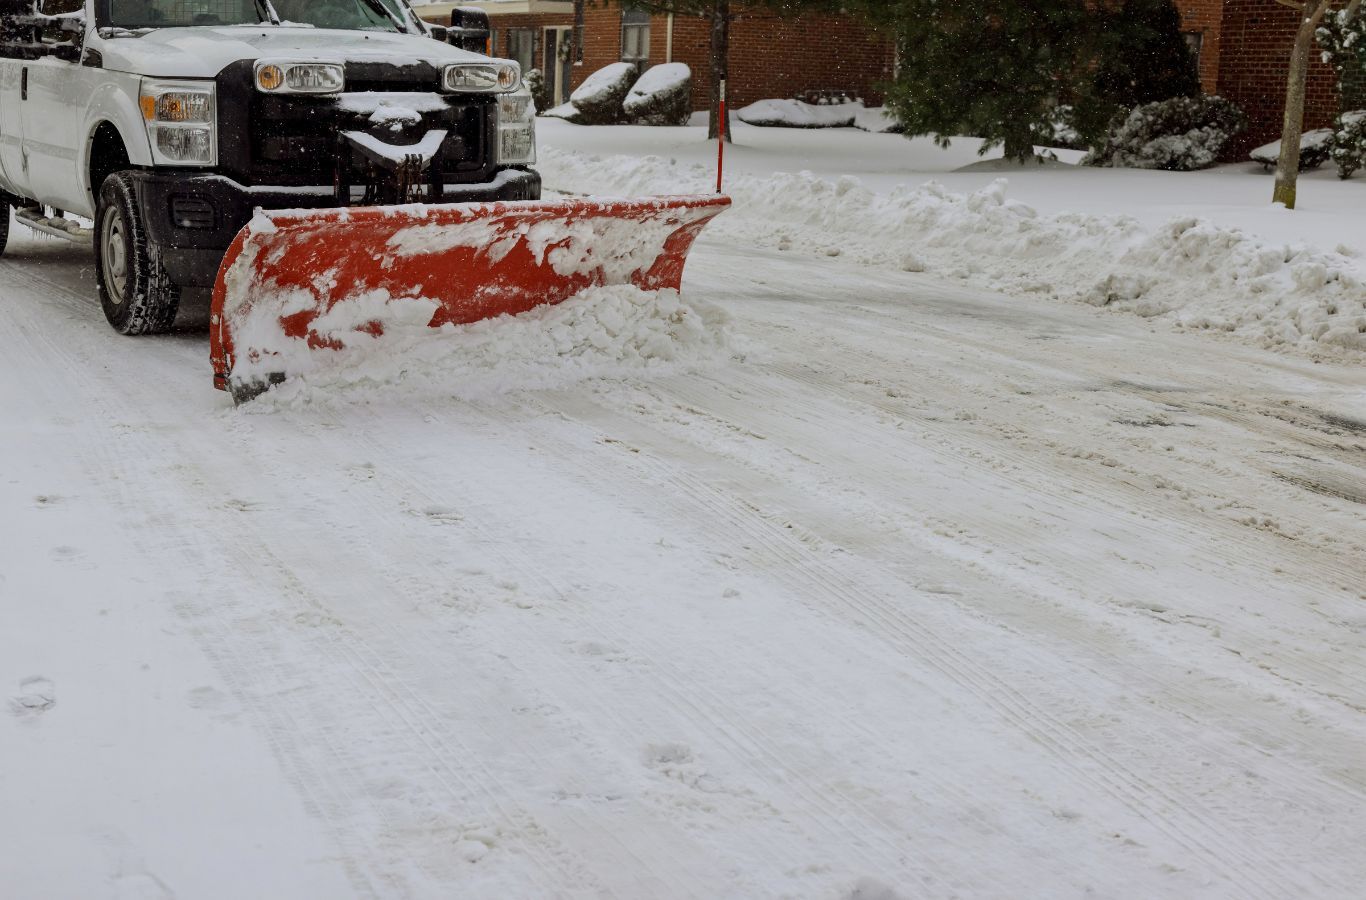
(293,140)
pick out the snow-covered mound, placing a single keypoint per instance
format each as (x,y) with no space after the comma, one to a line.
(1189,272)
(796,114)
(613,331)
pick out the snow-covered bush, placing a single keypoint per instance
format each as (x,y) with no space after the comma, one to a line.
(599,99)
(662,96)
(1316,148)
(1060,131)
(1180,134)
(535,83)
(879,120)
(1349,143)
(797,114)
(565,111)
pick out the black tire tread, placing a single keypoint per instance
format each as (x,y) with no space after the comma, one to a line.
(4,225)
(155,299)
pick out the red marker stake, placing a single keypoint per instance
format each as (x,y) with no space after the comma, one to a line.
(721,140)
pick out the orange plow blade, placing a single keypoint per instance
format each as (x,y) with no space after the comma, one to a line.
(299,283)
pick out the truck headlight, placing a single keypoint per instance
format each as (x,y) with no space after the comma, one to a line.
(516,129)
(482,78)
(180,120)
(300,78)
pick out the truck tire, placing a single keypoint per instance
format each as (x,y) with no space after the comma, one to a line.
(4,225)
(135,293)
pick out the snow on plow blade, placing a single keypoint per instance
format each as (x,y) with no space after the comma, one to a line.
(297,284)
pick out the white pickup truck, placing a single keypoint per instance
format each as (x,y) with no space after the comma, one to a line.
(167,122)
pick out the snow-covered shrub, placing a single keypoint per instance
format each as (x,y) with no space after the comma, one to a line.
(1349,143)
(879,120)
(798,114)
(535,83)
(1316,148)
(1180,134)
(566,111)
(600,97)
(1059,130)
(662,96)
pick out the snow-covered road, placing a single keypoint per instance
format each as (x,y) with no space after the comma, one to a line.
(935,593)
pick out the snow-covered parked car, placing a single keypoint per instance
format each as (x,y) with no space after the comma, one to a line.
(167,122)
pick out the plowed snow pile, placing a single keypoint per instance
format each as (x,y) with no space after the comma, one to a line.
(611,331)
(1190,272)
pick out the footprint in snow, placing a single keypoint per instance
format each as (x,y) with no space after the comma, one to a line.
(36,696)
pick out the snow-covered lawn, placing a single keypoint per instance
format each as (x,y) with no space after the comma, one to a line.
(890,586)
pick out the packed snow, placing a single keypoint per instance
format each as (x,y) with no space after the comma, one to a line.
(615,331)
(860,570)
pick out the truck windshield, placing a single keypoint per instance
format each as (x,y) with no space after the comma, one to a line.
(359,15)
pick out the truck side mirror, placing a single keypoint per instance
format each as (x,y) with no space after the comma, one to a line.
(440,32)
(469,29)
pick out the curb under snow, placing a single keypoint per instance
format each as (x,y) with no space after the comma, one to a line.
(1189,272)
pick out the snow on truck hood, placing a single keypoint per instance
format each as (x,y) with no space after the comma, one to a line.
(204,52)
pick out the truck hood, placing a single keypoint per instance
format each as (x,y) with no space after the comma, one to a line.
(204,52)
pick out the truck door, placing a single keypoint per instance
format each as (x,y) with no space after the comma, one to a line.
(51,112)
(14,50)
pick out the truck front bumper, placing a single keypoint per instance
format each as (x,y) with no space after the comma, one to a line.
(191,219)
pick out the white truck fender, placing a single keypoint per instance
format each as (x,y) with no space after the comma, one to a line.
(115,101)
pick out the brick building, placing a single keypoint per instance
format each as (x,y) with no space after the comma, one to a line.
(1244,48)
(770,56)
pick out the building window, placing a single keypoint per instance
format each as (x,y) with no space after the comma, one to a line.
(635,36)
(522,47)
(1195,42)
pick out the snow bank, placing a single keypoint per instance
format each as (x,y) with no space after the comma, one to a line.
(1189,272)
(796,114)
(613,331)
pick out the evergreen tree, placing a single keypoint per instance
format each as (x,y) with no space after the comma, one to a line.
(1143,59)
(990,68)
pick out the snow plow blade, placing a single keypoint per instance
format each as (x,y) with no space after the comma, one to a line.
(297,284)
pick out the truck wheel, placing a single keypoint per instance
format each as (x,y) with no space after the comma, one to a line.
(4,225)
(135,293)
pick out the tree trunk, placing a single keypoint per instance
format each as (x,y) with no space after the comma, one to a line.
(1019,145)
(720,64)
(1288,168)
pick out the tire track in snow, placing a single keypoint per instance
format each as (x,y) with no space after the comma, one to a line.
(884,351)
(863,599)
(749,746)
(253,672)
(1025,470)
(732,396)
